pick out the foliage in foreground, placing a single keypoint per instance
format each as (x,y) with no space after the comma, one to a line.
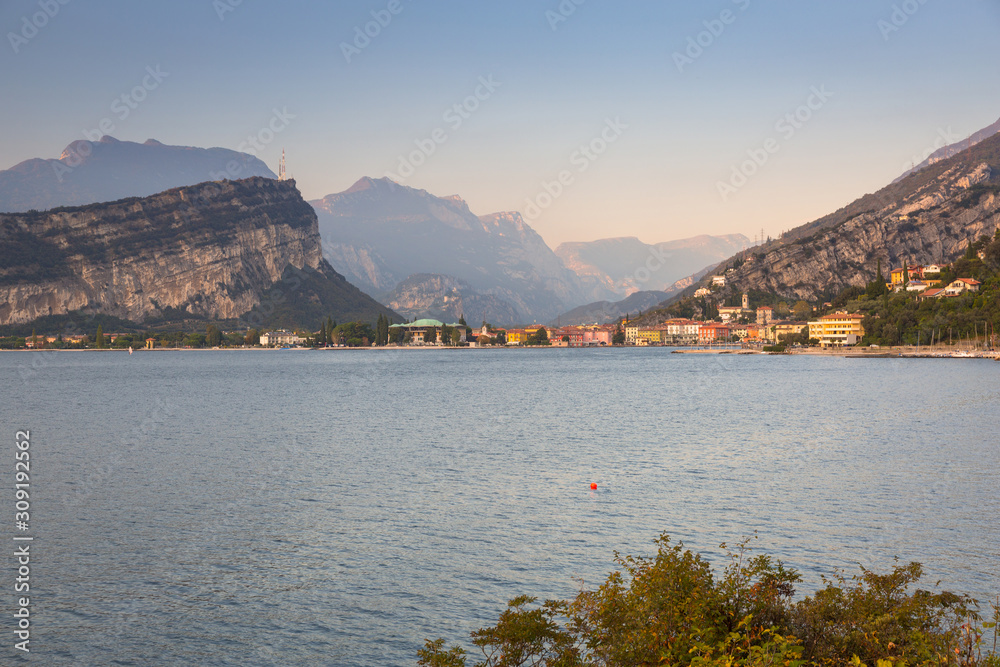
(674,610)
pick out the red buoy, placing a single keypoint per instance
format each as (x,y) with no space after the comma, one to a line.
(593,486)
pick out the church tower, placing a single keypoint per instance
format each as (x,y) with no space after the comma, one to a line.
(746,301)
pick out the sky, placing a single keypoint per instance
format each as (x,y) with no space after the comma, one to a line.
(595,119)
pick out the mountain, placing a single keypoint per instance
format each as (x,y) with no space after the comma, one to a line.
(107,170)
(447,299)
(601,312)
(626,265)
(609,311)
(953,149)
(930,216)
(379,233)
(245,250)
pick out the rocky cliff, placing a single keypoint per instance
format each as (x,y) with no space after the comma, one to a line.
(929,216)
(214,250)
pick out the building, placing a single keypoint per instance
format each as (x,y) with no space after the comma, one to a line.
(279,338)
(962,285)
(914,273)
(732,313)
(719,281)
(702,291)
(765,315)
(712,332)
(418,328)
(930,294)
(786,328)
(631,330)
(837,329)
(917,286)
(649,337)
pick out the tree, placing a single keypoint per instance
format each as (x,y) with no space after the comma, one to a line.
(802,311)
(252,337)
(540,337)
(618,338)
(382,330)
(456,336)
(99,342)
(446,334)
(565,339)
(213,337)
(34,339)
(430,336)
(877,288)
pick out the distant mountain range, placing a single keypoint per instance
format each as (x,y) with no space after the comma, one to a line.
(953,149)
(107,170)
(420,254)
(379,234)
(625,265)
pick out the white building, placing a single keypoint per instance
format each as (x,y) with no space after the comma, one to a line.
(279,338)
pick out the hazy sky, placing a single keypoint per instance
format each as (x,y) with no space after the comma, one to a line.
(669,97)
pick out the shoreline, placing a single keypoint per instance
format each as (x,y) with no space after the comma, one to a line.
(909,352)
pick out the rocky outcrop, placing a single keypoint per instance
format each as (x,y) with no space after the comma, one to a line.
(213,250)
(447,299)
(931,216)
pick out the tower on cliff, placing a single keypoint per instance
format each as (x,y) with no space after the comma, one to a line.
(281,166)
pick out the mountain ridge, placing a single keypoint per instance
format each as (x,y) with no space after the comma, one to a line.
(108,170)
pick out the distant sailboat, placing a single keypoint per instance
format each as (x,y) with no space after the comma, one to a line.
(130,349)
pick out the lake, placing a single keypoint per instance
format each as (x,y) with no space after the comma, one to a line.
(339,507)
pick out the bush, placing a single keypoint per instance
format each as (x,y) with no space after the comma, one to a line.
(673,610)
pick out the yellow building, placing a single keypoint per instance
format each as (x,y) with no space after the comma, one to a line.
(837,329)
(517,336)
(649,337)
